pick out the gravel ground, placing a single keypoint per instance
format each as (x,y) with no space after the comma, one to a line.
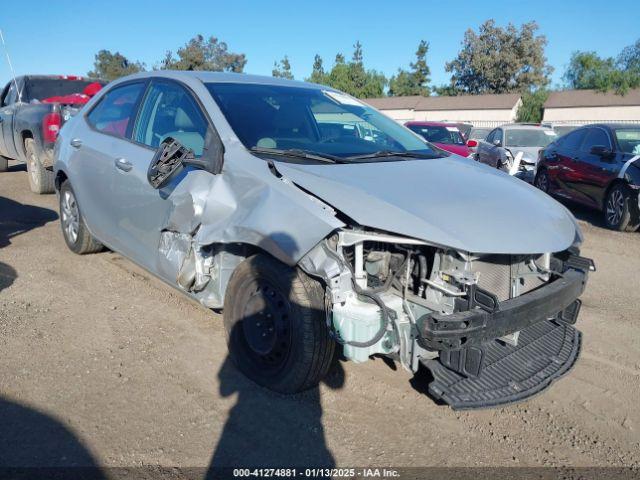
(103,364)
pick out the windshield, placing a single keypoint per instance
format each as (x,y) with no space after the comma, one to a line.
(529,137)
(564,129)
(439,134)
(44,88)
(479,133)
(274,117)
(629,140)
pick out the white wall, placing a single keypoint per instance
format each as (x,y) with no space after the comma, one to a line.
(592,114)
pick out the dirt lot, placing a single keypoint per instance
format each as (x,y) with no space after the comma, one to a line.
(100,363)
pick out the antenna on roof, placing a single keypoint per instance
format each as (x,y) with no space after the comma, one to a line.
(13,73)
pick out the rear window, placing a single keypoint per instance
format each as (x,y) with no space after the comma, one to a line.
(629,140)
(43,88)
(438,134)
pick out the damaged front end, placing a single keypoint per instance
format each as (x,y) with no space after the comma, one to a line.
(492,329)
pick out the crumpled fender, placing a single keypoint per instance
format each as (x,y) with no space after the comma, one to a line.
(261,210)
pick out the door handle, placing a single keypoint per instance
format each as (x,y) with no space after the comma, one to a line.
(75,143)
(123,164)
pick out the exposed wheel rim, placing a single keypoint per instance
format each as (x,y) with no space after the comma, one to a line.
(33,168)
(266,326)
(615,207)
(70,216)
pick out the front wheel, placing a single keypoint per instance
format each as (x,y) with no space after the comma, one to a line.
(275,321)
(619,213)
(542,181)
(75,232)
(41,180)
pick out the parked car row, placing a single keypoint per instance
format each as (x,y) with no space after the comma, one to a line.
(315,222)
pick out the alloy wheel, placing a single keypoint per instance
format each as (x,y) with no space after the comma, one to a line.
(615,207)
(70,216)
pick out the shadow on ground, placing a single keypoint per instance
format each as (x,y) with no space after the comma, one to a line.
(33,440)
(17,218)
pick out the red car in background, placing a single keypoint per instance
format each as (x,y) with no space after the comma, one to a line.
(446,136)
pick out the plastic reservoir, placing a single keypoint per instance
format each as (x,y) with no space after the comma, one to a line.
(359,321)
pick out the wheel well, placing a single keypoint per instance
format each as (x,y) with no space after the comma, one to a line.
(60,178)
(25,134)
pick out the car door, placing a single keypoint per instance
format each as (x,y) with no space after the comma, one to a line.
(565,175)
(98,141)
(592,173)
(484,146)
(495,149)
(167,110)
(7,110)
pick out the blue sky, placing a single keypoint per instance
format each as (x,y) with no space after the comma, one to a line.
(62,36)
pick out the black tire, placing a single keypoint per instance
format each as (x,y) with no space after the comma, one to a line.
(4,164)
(41,180)
(619,213)
(275,320)
(71,221)
(542,181)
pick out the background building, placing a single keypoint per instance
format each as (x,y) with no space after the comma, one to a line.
(590,106)
(480,110)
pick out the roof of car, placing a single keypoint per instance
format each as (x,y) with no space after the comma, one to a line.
(227,77)
(524,126)
(613,125)
(432,124)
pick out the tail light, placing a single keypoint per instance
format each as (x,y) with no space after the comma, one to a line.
(472,143)
(51,126)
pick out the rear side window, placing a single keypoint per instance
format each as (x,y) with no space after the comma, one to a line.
(115,112)
(572,140)
(595,136)
(169,110)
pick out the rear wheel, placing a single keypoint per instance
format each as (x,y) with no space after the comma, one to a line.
(41,180)
(276,327)
(4,164)
(618,212)
(74,230)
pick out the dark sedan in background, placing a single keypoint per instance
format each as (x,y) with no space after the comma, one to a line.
(597,166)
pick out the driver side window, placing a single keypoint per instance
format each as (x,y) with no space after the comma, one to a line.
(498,136)
(168,110)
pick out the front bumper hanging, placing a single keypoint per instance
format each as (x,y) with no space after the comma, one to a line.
(477,369)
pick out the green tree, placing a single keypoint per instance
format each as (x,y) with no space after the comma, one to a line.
(282,69)
(200,54)
(318,74)
(500,60)
(353,78)
(415,82)
(531,109)
(109,66)
(587,70)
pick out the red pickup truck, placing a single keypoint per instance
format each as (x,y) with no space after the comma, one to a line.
(32,110)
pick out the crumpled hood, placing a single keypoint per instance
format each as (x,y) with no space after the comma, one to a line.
(530,153)
(450,201)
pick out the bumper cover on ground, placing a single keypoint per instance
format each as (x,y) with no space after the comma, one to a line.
(545,352)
